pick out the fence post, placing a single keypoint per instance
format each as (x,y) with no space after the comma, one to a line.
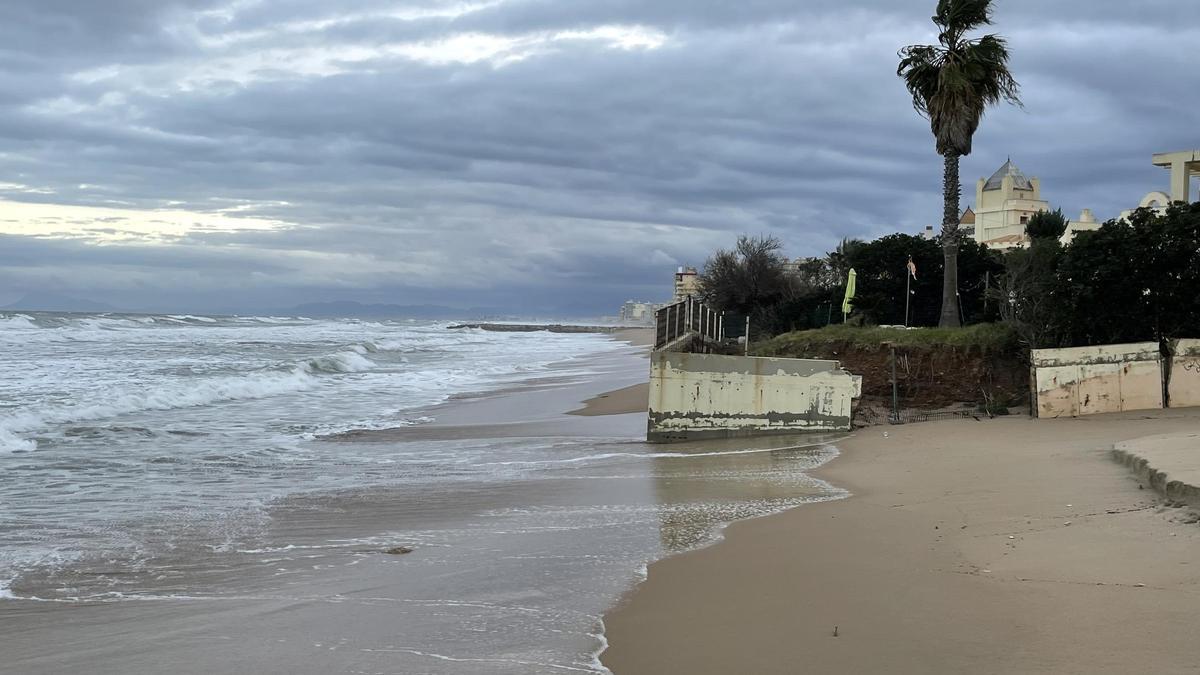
(895,388)
(747,336)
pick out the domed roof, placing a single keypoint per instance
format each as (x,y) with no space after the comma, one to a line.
(1020,182)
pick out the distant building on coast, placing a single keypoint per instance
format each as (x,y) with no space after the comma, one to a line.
(687,282)
(636,312)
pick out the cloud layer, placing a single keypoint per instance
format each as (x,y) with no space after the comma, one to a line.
(530,154)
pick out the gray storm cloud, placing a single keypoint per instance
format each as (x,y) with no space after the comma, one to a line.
(533,155)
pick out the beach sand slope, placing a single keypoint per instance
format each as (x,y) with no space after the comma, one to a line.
(995,546)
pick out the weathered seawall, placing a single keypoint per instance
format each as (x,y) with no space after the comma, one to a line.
(713,396)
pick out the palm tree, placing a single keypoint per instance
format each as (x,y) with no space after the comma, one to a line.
(952,83)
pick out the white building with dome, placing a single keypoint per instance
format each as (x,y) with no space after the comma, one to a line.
(1004,204)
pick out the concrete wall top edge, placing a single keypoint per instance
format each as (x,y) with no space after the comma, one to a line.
(1138,351)
(749,365)
(1187,347)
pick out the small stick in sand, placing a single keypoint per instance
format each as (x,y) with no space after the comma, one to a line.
(835,631)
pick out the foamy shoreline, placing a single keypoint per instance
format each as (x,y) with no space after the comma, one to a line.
(532,523)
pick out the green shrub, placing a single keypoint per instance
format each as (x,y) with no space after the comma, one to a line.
(988,338)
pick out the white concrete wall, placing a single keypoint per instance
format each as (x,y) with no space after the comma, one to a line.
(1185,375)
(1091,380)
(705,395)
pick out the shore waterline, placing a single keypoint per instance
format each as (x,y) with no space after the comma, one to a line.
(525,525)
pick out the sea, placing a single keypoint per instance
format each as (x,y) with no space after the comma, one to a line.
(217,494)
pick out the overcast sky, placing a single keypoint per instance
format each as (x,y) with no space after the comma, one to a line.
(527,154)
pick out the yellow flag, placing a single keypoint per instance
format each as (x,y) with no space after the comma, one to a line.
(851,287)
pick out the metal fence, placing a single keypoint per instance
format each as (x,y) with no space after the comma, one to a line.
(897,410)
(872,416)
(688,316)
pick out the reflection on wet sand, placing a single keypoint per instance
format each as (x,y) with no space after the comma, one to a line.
(732,479)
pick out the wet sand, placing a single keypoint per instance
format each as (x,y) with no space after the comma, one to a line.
(1002,546)
(632,399)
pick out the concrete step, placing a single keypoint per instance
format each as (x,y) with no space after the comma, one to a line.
(1170,463)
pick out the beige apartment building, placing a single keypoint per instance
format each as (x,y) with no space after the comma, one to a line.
(687,282)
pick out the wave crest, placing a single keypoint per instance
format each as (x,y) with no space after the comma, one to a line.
(187,394)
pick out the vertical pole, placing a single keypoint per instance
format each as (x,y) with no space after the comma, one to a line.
(747,335)
(907,294)
(987,286)
(895,390)
(721,337)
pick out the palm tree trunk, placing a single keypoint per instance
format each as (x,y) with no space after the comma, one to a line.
(951,192)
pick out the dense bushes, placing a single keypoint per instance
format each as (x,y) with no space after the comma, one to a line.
(882,272)
(1129,281)
(755,279)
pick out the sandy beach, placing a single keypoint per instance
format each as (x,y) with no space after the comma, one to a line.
(631,399)
(999,546)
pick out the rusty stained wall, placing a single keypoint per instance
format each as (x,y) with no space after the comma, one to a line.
(1185,375)
(706,395)
(1091,380)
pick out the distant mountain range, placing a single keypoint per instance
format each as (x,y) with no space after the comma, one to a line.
(334,310)
(54,302)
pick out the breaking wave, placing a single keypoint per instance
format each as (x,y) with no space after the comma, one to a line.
(17,322)
(186,394)
(351,361)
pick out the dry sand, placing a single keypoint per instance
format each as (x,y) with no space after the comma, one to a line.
(1003,546)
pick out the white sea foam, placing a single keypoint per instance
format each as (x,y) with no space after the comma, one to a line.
(10,442)
(351,361)
(183,394)
(647,455)
(17,322)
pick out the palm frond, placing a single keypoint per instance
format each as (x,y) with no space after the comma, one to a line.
(986,61)
(953,83)
(919,67)
(956,17)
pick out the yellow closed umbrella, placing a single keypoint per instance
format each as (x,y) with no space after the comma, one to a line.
(851,287)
